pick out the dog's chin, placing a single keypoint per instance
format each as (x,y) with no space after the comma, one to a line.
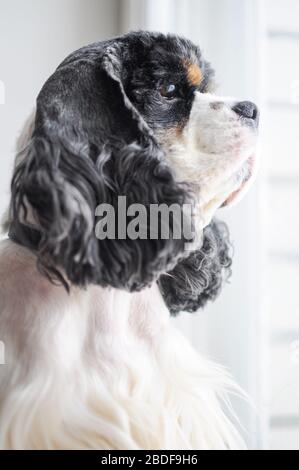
(239,184)
(248,172)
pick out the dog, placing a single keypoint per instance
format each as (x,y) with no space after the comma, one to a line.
(92,360)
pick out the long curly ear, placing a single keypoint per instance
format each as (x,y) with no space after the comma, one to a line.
(199,278)
(89,146)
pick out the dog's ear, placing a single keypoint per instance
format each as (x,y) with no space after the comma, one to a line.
(89,146)
(199,278)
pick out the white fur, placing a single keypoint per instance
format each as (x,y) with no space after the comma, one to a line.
(100,369)
(213,151)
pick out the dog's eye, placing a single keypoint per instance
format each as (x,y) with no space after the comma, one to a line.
(168,91)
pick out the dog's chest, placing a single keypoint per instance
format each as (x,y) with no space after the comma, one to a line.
(99,369)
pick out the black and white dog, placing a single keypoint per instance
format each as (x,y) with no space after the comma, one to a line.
(92,360)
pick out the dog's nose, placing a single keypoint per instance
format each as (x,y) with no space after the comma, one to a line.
(247,109)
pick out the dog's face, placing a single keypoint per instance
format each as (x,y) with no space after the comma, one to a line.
(209,141)
(133,117)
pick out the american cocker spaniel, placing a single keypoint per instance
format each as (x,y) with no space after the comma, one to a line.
(92,360)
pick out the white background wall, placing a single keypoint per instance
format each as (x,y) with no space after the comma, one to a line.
(282,95)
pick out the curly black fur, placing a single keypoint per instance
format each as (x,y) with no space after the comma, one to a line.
(94,141)
(91,145)
(199,278)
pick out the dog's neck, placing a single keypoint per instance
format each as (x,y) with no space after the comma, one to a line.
(144,311)
(141,315)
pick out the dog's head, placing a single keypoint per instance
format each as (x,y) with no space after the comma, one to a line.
(134,116)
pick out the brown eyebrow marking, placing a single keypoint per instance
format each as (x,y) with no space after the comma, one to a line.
(194,73)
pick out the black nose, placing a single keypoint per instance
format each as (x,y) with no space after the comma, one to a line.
(247,109)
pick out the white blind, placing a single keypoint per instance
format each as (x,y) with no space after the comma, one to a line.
(282,88)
